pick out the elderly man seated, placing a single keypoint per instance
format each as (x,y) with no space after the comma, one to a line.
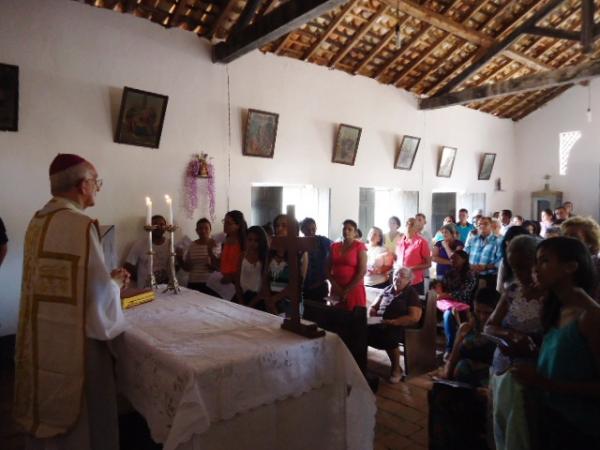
(399,307)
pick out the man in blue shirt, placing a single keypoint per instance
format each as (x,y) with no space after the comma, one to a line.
(315,285)
(484,253)
(463,226)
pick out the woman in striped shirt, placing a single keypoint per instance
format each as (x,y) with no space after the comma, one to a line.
(200,259)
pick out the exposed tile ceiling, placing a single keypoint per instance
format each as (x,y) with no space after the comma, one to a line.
(438,40)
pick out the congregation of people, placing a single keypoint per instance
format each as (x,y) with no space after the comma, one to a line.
(517,299)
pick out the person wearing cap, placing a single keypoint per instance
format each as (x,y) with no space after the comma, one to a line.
(65,394)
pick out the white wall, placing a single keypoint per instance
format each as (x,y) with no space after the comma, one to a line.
(74,61)
(537,139)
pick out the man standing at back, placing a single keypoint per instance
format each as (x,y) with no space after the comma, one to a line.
(484,253)
(463,226)
(65,395)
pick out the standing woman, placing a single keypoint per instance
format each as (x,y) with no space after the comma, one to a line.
(568,367)
(413,253)
(393,236)
(546,222)
(279,272)
(347,268)
(251,280)
(444,248)
(379,260)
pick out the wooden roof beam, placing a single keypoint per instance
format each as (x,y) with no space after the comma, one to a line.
(216,29)
(537,81)
(356,37)
(441,21)
(554,33)
(498,47)
(280,21)
(329,30)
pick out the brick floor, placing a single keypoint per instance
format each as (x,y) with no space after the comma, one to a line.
(402,409)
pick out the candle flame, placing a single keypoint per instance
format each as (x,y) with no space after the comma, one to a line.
(148,201)
(167,198)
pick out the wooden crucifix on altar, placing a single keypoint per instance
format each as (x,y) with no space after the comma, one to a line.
(294,245)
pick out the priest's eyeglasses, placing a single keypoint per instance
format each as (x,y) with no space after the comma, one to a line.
(97,181)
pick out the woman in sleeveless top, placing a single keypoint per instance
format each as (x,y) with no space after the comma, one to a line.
(347,268)
(518,320)
(568,369)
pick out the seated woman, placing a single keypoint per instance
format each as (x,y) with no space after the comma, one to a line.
(399,307)
(251,281)
(517,320)
(221,282)
(346,269)
(379,260)
(200,259)
(472,354)
(444,248)
(455,294)
(568,367)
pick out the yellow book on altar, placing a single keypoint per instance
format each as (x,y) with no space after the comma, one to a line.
(131,297)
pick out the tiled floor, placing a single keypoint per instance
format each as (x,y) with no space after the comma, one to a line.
(401,417)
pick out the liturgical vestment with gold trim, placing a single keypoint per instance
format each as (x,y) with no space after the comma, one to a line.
(68,302)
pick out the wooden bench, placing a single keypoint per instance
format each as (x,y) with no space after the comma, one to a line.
(418,347)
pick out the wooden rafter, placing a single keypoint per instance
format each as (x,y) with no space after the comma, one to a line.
(559,77)
(384,42)
(554,33)
(364,29)
(279,22)
(502,45)
(406,70)
(441,21)
(217,27)
(537,105)
(335,22)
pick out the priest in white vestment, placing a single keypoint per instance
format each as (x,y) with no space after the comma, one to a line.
(65,396)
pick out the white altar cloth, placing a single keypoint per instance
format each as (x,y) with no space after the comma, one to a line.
(193,365)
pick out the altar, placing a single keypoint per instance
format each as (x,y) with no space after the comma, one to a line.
(211,374)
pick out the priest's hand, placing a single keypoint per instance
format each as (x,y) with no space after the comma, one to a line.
(121,276)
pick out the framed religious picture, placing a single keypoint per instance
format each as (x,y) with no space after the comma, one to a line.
(406,155)
(487,165)
(446,162)
(141,118)
(346,144)
(260,134)
(9,97)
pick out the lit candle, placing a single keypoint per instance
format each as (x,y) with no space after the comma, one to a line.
(148,211)
(149,221)
(170,205)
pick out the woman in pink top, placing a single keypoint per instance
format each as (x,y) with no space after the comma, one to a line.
(413,252)
(347,267)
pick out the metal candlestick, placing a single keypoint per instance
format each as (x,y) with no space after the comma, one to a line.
(151,280)
(173,285)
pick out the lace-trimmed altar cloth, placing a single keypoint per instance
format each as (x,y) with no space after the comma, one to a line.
(191,361)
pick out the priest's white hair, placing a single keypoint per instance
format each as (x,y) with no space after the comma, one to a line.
(66,180)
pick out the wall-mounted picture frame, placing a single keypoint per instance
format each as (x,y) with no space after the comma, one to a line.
(446,162)
(9,97)
(260,133)
(141,118)
(346,144)
(487,165)
(407,153)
